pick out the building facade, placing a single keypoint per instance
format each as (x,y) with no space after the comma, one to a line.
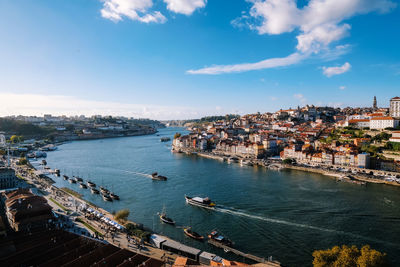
(395,107)
(7,178)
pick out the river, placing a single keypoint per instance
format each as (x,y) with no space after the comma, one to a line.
(286,214)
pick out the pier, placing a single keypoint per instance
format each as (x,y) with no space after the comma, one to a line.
(245,255)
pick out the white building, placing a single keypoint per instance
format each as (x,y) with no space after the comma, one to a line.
(395,137)
(395,107)
(380,123)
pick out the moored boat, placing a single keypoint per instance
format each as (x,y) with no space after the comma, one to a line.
(91,184)
(82,185)
(114,196)
(72,181)
(106,197)
(78,179)
(200,202)
(192,234)
(104,190)
(217,237)
(65,177)
(94,191)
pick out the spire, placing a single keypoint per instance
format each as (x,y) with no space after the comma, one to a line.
(375,105)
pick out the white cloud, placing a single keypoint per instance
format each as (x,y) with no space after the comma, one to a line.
(186,7)
(331,71)
(319,22)
(342,87)
(138,10)
(300,97)
(34,104)
(265,64)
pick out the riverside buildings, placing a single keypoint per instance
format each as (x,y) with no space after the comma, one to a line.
(311,135)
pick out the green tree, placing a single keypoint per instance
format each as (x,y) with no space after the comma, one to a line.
(22,161)
(122,215)
(14,139)
(348,257)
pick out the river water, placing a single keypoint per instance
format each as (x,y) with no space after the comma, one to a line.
(286,214)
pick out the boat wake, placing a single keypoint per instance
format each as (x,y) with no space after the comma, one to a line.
(240,213)
(138,173)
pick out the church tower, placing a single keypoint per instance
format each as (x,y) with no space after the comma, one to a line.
(375,105)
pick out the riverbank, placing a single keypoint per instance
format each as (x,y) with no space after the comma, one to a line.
(324,171)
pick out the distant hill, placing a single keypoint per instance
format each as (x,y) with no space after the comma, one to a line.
(22,128)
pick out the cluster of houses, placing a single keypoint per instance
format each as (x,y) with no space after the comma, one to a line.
(300,134)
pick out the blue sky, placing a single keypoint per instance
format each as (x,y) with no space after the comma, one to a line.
(178,59)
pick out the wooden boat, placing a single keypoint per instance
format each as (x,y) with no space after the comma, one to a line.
(165,219)
(94,191)
(91,184)
(78,179)
(155,176)
(114,196)
(106,197)
(192,234)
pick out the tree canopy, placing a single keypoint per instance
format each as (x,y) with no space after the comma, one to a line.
(349,257)
(122,215)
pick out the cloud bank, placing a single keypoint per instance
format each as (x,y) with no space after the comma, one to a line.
(332,71)
(319,23)
(140,10)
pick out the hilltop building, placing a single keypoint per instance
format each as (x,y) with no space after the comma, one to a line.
(395,107)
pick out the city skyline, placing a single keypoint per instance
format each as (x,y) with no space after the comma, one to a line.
(191,58)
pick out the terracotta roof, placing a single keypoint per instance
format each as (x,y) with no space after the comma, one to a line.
(395,98)
(382,118)
(360,120)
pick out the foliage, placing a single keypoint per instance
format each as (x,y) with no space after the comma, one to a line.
(22,161)
(348,257)
(288,161)
(71,192)
(394,146)
(122,215)
(16,138)
(21,128)
(133,230)
(177,135)
(373,150)
(381,136)
(227,117)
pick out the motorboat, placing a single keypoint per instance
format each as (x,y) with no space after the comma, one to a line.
(217,237)
(156,176)
(200,202)
(82,185)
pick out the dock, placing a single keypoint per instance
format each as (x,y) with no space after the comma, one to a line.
(245,255)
